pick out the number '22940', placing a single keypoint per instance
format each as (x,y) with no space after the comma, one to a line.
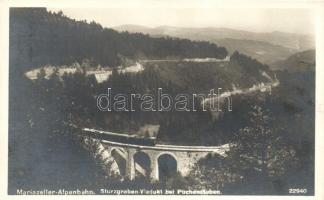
(297,191)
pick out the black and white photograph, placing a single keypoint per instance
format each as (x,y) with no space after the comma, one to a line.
(151,98)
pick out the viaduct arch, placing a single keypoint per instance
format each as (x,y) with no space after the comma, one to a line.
(167,166)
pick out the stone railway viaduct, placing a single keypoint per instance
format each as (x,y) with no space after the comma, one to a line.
(155,161)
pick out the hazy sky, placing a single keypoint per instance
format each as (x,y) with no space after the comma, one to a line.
(294,20)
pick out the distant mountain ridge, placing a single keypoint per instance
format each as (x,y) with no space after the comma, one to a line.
(265,47)
(262,51)
(289,40)
(299,62)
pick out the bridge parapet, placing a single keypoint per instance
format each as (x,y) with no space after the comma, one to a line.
(156,159)
(185,156)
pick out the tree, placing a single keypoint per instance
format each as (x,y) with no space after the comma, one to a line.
(212,172)
(260,154)
(257,161)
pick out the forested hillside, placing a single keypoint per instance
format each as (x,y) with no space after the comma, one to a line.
(39,37)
